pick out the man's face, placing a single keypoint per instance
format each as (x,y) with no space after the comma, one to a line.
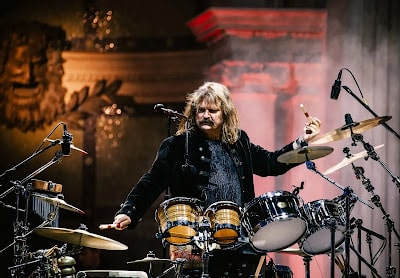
(209,120)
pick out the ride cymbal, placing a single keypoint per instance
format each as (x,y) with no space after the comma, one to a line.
(58,202)
(304,154)
(348,160)
(347,130)
(80,237)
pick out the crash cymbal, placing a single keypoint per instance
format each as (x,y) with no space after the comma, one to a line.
(348,160)
(58,202)
(346,130)
(304,154)
(80,237)
(150,260)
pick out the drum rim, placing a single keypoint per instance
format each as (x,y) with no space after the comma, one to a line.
(268,194)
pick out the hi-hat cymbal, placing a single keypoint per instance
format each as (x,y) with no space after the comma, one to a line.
(304,154)
(81,238)
(58,203)
(151,260)
(346,130)
(348,160)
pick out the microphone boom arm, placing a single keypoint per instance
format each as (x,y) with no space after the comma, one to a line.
(370,110)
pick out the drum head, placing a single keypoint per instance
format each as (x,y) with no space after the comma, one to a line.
(279,235)
(320,242)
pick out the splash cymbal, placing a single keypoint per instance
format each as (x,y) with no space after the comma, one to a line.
(58,202)
(80,237)
(347,130)
(305,154)
(348,160)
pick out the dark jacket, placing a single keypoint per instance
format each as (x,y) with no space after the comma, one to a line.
(166,171)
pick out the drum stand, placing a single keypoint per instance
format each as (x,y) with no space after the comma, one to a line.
(204,229)
(347,193)
(359,171)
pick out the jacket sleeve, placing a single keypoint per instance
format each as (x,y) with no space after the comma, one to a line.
(265,163)
(150,185)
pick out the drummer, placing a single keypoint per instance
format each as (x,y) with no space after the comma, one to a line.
(211,159)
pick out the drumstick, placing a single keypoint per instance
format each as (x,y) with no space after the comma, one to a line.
(306,113)
(307,116)
(260,264)
(108,226)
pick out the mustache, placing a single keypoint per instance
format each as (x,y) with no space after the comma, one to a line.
(207,122)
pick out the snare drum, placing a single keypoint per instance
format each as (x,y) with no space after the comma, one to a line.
(274,221)
(320,214)
(225,221)
(111,273)
(178,219)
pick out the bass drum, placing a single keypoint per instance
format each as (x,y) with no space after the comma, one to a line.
(178,219)
(273,221)
(321,214)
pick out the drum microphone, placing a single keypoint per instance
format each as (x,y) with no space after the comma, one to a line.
(336,86)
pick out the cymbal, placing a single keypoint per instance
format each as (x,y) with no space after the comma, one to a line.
(304,154)
(346,130)
(81,238)
(58,202)
(150,260)
(299,252)
(348,160)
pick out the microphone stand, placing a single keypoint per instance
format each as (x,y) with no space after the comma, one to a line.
(370,110)
(347,193)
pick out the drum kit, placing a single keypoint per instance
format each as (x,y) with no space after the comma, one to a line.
(45,198)
(273,221)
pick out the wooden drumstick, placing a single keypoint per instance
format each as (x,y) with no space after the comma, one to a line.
(108,226)
(305,113)
(307,116)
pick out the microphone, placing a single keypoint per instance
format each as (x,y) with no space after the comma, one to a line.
(66,142)
(336,86)
(169,112)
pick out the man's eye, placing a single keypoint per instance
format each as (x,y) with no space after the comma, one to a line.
(213,111)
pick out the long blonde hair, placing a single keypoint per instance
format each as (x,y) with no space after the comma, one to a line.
(212,93)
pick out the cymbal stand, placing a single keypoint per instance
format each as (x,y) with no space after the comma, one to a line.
(347,193)
(359,172)
(356,137)
(21,227)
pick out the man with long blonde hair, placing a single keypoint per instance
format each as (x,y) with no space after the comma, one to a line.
(211,160)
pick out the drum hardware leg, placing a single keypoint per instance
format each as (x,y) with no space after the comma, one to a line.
(348,194)
(307,260)
(205,228)
(359,172)
(333,226)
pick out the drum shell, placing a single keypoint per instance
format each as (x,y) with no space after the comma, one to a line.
(225,221)
(178,218)
(319,214)
(274,221)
